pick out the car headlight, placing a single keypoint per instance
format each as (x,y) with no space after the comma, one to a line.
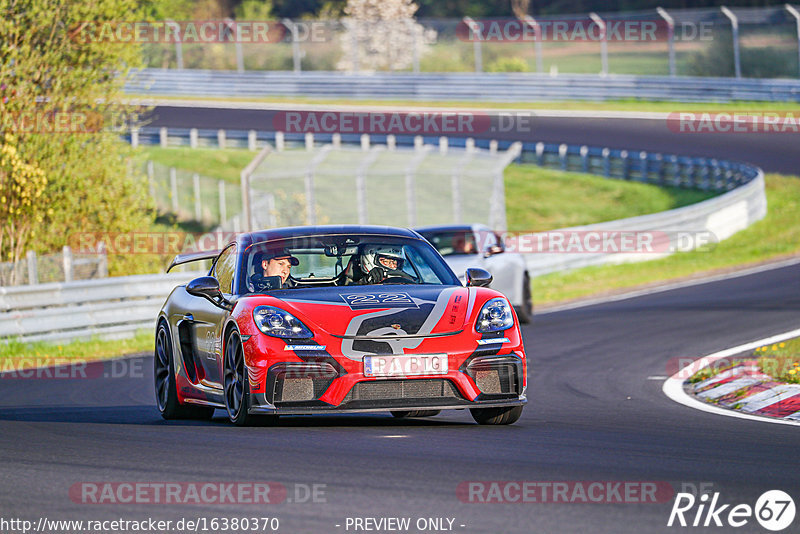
(278,323)
(495,316)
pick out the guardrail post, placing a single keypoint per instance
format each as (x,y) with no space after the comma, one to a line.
(537,32)
(365,142)
(643,166)
(391,142)
(735,27)
(67,261)
(280,142)
(705,172)
(221,140)
(163,138)
(670,39)
(309,141)
(796,14)
(469,145)
(102,260)
(336,141)
(419,142)
(585,159)
(493,147)
(134,137)
(223,202)
(33,268)
(540,154)
(659,169)
(193,138)
(603,42)
(198,205)
(443,145)
(626,167)
(562,156)
(675,174)
(607,162)
(475,32)
(173,185)
(252,140)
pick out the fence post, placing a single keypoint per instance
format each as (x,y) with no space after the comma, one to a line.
(603,42)
(252,140)
(173,185)
(296,55)
(418,142)
(33,268)
(280,141)
(309,141)
(537,32)
(469,145)
(562,156)
(336,141)
(163,137)
(178,43)
(643,167)
(151,178)
(391,142)
(102,261)
(134,137)
(670,38)
(443,145)
(365,142)
(735,27)
(493,146)
(244,178)
(475,32)
(221,139)
(193,137)
(67,259)
(626,167)
(416,37)
(198,204)
(540,154)
(223,207)
(796,14)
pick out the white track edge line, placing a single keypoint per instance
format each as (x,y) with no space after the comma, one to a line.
(673,386)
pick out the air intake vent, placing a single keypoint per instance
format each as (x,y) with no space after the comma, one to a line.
(380,390)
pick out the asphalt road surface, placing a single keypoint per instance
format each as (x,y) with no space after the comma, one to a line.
(774,152)
(596,413)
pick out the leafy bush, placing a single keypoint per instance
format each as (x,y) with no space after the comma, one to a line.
(508,64)
(718,60)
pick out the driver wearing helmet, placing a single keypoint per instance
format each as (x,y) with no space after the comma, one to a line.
(380,262)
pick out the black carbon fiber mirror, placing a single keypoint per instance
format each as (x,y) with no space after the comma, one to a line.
(478,278)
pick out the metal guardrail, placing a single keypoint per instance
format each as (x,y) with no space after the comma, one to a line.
(107,307)
(495,87)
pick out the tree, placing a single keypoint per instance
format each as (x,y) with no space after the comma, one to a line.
(381,34)
(60,181)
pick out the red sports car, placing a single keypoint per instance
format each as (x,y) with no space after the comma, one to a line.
(334,319)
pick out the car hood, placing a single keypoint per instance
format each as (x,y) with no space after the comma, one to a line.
(363,312)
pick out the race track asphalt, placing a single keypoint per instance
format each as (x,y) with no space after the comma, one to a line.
(596,413)
(774,152)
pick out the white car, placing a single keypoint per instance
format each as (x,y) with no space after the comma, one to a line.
(464,246)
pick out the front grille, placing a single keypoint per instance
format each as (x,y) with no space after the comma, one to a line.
(380,390)
(496,376)
(298,382)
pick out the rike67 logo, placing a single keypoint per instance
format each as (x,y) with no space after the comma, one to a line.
(774,510)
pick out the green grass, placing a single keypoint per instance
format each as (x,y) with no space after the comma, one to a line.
(220,164)
(577,105)
(777,235)
(781,360)
(540,199)
(19,355)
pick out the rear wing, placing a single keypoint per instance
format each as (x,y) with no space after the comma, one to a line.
(190,257)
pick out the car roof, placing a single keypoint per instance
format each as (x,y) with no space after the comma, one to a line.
(453,228)
(245,240)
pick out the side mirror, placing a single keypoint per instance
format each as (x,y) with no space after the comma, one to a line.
(494,249)
(478,278)
(208,288)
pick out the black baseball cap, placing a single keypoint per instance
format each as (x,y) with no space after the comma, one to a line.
(279,254)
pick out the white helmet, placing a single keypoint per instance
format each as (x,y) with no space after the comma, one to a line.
(371,253)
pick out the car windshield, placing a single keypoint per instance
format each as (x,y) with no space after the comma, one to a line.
(329,261)
(453,243)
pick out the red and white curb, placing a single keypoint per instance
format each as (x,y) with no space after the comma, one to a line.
(743,391)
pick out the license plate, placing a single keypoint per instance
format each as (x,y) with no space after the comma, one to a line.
(406,365)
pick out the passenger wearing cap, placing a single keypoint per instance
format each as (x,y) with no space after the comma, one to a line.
(274,263)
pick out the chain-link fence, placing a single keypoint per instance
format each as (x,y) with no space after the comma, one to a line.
(65,266)
(381,184)
(750,42)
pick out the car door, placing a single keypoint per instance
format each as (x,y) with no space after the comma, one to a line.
(207,320)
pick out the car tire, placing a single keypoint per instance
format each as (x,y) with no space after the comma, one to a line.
(415,413)
(236,384)
(525,311)
(166,388)
(506,415)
